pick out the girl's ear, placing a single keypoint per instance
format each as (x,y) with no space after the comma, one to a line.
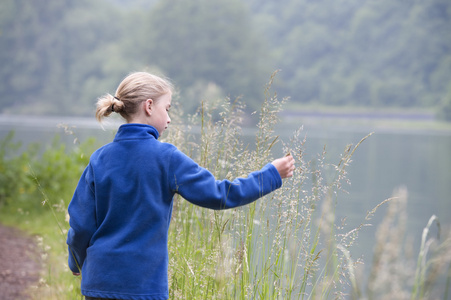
(148,106)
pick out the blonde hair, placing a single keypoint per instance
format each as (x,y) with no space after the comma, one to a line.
(133,90)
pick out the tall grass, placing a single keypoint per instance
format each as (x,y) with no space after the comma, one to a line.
(287,245)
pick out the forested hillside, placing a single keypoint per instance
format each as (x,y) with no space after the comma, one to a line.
(59,57)
(361,52)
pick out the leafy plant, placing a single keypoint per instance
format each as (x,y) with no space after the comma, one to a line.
(14,182)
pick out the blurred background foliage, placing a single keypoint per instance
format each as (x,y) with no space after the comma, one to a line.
(57,57)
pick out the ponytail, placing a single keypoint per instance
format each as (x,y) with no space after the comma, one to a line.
(106,105)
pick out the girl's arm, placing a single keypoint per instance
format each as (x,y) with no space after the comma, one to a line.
(199,186)
(82,222)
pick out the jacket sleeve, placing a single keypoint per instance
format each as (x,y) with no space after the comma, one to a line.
(199,186)
(82,221)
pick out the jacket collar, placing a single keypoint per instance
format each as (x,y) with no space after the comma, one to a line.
(136,131)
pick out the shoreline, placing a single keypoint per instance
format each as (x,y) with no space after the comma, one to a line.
(310,119)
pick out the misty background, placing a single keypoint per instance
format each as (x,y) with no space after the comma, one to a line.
(58,57)
(340,62)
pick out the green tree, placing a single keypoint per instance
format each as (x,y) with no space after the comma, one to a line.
(26,38)
(207,41)
(54,55)
(378,53)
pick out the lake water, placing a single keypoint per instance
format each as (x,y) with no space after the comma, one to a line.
(420,161)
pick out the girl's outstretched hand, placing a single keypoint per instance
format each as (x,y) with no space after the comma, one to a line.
(285,166)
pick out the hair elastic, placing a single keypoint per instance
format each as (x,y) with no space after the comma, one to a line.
(112,106)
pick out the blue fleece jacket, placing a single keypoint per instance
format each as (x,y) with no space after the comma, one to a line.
(121,210)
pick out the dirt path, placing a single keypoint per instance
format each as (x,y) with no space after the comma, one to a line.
(19,263)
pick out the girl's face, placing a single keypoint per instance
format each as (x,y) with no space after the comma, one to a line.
(159,112)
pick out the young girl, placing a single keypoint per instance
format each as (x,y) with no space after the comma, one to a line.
(121,208)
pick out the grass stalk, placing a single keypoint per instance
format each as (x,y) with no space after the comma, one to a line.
(421,269)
